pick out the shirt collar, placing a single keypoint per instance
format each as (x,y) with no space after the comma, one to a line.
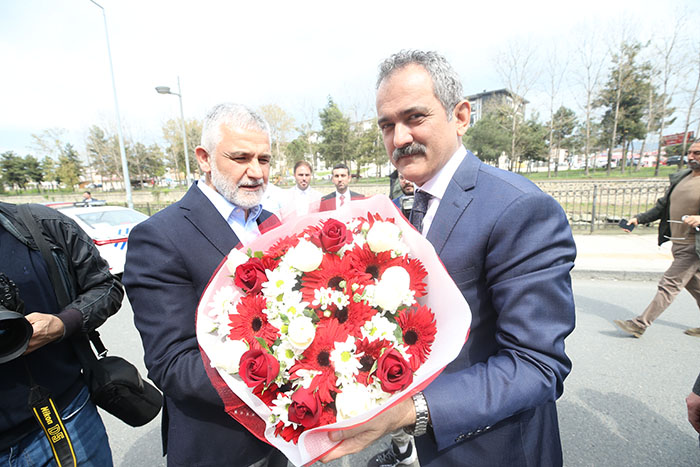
(437,185)
(227,209)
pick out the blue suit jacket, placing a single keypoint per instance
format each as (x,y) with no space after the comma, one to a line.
(508,247)
(170,260)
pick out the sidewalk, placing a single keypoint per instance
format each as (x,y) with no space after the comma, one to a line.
(621,257)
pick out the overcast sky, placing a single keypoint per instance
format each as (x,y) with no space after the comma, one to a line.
(55,70)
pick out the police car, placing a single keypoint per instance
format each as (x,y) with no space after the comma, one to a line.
(108,226)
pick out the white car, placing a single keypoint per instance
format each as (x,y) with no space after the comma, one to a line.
(109,228)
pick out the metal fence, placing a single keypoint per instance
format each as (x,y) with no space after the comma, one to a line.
(599,207)
(588,206)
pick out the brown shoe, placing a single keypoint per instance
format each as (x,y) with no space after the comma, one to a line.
(630,327)
(693,332)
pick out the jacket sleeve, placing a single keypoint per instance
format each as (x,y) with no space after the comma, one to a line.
(656,212)
(161,289)
(97,293)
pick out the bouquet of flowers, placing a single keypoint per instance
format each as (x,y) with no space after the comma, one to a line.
(324,324)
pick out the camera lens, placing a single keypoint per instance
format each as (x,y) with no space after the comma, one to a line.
(15,332)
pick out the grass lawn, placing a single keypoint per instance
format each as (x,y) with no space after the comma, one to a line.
(643,172)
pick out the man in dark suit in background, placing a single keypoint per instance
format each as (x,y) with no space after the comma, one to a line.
(170,260)
(509,249)
(342,195)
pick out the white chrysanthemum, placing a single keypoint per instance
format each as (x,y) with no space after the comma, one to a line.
(305,378)
(221,305)
(384,236)
(393,289)
(301,331)
(376,393)
(227,355)
(379,327)
(286,353)
(323,297)
(353,401)
(279,283)
(345,359)
(280,408)
(305,256)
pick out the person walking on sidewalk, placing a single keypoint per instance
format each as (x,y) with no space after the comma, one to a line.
(679,211)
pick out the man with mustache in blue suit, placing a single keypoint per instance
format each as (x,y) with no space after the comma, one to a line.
(509,249)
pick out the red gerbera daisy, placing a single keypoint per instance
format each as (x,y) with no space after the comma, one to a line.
(332,271)
(251,322)
(417,273)
(281,246)
(418,330)
(317,357)
(267,394)
(364,260)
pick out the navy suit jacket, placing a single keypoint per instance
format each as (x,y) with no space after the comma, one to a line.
(170,259)
(328,201)
(508,246)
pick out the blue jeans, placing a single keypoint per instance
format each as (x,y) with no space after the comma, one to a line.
(86,431)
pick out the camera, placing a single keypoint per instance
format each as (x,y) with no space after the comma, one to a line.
(15,330)
(407,205)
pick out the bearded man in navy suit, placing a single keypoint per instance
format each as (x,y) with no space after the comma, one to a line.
(170,260)
(509,249)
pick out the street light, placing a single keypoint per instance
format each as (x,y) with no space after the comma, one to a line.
(125,166)
(166,90)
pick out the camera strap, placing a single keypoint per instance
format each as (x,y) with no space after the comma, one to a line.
(46,413)
(40,401)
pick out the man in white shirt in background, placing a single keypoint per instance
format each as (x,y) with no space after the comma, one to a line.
(304,199)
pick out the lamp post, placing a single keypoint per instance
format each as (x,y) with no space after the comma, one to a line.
(166,90)
(125,166)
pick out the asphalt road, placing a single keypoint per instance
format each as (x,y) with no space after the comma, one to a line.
(623,404)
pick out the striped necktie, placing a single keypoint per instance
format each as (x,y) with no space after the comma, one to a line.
(420,206)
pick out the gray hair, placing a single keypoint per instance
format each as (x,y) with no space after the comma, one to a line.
(236,116)
(447,86)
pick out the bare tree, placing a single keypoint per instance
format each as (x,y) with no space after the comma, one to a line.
(669,66)
(591,61)
(518,69)
(281,123)
(556,70)
(693,99)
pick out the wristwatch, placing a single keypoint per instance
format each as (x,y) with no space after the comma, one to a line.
(422,416)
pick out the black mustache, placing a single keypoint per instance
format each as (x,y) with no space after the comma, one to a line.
(410,150)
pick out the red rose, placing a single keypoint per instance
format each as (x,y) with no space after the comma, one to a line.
(393,371)
(251,275)
(306,408)
(257,366)
(333,236)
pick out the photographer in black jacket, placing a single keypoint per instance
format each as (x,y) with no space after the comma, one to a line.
(49,368)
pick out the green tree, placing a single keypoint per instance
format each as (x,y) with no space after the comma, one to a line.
(33,170)
(13,170)
(104,153)
(48,167)
(334,135)
(369,147)
(147,161)
(69,167)
(562,128)
(281,123)
(488,138)
(172,134)
(532,145)
(623,97)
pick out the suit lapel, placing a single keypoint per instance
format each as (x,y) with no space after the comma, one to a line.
(455,201)
(199,211)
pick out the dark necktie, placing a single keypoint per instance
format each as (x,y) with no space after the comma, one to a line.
(420,206)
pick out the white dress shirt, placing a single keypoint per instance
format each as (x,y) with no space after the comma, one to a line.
(437,186)
(303,199)
(245,229)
